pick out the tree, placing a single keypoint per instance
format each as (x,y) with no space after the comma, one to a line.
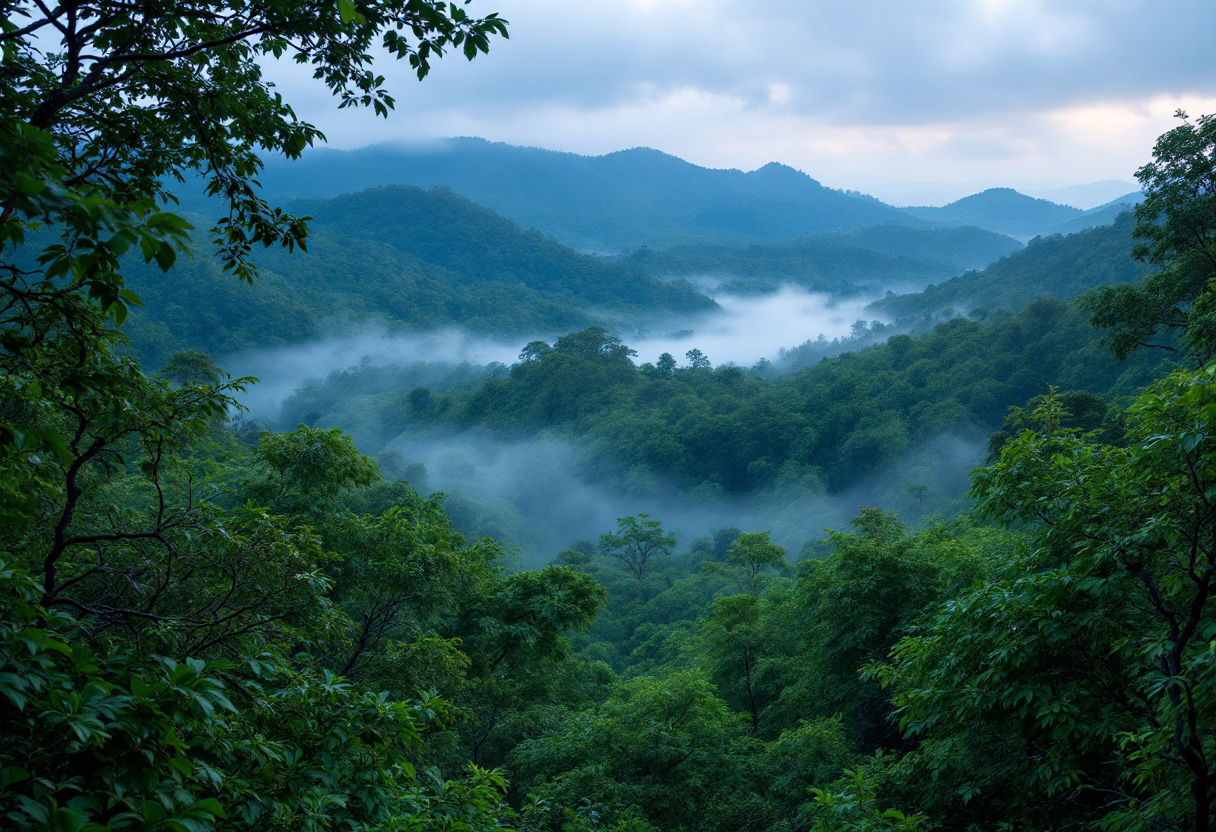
(636,544)
(98,739)
(120,718)
(669,747)
(666,365)
(134,98)
(108,105)
(311,465)
(752,555)
(595,343)
(857,601)
(534,351)
(1174,309)
(734,642)
(516,633)
(1093,647)
(697,360)
(191,367)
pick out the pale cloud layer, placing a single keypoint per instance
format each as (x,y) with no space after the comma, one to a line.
(869,94)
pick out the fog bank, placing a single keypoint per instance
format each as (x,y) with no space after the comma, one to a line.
(752,327)
(749,328)
(544,494)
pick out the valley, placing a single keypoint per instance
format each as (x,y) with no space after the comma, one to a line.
(762,316)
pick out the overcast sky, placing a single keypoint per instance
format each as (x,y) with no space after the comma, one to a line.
(906,99)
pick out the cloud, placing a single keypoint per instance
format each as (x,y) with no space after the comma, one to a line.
(855,93)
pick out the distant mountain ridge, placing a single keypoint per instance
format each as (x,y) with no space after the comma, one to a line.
(875,259)
(1000,209)
(602,204)
(1102,215)
(643,197)
(1059,267)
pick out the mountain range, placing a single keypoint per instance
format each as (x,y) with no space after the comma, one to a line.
(642,197)
(427,255)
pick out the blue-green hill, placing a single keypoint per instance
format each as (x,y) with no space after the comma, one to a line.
(409,258)
(605,204)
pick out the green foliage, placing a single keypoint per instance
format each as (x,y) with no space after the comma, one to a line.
(191,367)
(1061,267)
(876,258)
(1001,209)
(1176,226)
(119,741)
(854,605)
(200,630)
(854,807)
(637,543)
(406,258)
(664,746)
(734,642)
(825,426)
(313,464)
(187,81)
(1092,645)
(748,558)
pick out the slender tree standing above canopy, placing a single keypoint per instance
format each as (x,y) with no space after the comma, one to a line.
(638,541)
(753,554)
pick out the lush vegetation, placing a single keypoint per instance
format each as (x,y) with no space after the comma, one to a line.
(1063,267)
(408,258)
(605,204)
(1003,210)
(205,626)
(731,430)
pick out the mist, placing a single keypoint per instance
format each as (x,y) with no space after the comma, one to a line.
(755,327)
(747,329)
(281,371)
(541,495)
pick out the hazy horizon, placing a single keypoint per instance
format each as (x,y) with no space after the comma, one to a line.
(875,97)
(1077,194)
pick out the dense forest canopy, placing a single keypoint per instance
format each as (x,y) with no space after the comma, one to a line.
(207,625)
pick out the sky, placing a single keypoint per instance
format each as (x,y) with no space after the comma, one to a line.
(915,101)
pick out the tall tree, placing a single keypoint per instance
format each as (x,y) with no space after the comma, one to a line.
(1175,308)
(119,718)
(1076,689)
(636,544)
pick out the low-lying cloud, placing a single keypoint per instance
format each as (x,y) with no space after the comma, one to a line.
(754,327)
(747,329)
(544,494)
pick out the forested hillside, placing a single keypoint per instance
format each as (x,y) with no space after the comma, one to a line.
(637,197)
(874,259)
(605,204)
(1062,267)
(1003,210)
(733,431)
(403,257)
(1102,215)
